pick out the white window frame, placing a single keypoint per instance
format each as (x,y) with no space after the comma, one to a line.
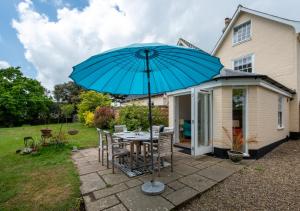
(242,57)
(246,39)
(280,109)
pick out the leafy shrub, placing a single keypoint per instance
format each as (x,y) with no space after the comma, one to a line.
(89,101)
(89,118)
(103,117)
(134,116)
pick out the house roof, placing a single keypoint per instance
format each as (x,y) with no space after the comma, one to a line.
(293,23)
(231,74)
(183,42)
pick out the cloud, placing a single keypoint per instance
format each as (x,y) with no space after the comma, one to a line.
(4,64)
(53,47)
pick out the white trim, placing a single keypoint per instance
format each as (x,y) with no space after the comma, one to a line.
(176,119)
(245,40)
(180,92)
(294,24)
(252,55)
(235,82)
(280,127)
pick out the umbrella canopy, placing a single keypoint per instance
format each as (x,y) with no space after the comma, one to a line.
(140,69)
(123,70)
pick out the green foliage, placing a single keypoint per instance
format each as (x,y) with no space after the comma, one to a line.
(22,100)
(67,93)
(103,117)
(89,101)
(134,117)
(89,118)
(67,110)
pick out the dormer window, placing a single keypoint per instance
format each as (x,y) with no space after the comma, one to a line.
(241,32)
(244,64)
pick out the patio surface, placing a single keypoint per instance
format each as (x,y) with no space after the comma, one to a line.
(103,190)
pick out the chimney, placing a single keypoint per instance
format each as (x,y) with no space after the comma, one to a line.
(227,21)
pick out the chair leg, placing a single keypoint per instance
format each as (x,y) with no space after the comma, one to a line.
(145,161)
(99,155)
(102,157)
(158,166)
(107,160)
(113,164)
(172,162)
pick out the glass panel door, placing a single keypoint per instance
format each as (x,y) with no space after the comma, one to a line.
(202,127)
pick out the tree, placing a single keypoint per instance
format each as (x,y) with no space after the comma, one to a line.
(67,110)
(22,100)
(67,93)
(90,100)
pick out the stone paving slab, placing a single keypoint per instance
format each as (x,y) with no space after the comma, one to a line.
(204,164)
(133,183)
(181,195)
(166,176)
(89,168)
(184,169)
(216,172)
(109,191)
(119,207)
(176,185)
(103,190)
(167,191)
(134,199)
(90,183)
(113,179)
(197,182)
(102,204)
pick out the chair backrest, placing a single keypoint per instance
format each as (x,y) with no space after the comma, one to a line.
(168,129)
(120,128)
(165,143)
(109,141)
(100,137)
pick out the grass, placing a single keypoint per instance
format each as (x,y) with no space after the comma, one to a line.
(48,181)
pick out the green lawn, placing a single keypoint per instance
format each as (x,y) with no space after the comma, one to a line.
(48,181)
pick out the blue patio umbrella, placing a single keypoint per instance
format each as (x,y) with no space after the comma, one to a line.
(140,69)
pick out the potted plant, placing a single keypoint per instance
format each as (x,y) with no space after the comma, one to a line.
(46,132)
(235,154)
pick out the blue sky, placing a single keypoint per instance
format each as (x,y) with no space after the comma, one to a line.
(47,37)
(12,50)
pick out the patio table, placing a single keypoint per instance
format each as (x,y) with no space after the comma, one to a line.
(135,138)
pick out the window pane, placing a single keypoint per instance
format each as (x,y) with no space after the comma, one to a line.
(242,32)
(243,64)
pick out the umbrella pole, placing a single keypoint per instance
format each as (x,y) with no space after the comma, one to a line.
(153,187)
(150,113)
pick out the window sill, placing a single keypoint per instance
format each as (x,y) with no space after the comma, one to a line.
(280,128)
(241,42)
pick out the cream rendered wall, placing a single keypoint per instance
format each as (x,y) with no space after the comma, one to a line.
(222,116)
(267,118)
(261,116)
(274,46)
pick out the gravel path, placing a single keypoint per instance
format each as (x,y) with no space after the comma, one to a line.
(270,183)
